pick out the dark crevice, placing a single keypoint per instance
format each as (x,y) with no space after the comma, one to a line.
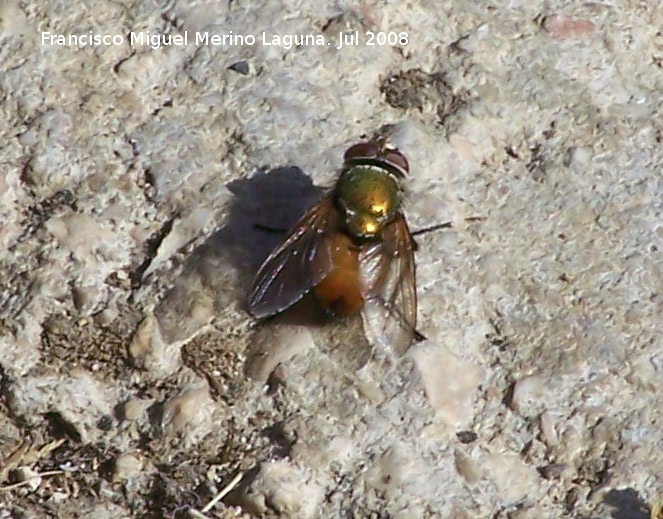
(151,248)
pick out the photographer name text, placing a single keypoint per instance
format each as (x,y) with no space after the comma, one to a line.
(229,39)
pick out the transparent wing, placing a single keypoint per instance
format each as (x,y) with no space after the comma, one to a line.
(388,270)
(287,274)
(346,344)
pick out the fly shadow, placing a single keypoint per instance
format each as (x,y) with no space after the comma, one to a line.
(627,504)
(219,272)
(263,208)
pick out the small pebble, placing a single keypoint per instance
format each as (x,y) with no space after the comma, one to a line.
(185,408)
(241,67)
(132,409)
(126,466)
(562,27)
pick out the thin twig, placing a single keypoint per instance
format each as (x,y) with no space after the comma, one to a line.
(226,490)
(35,476)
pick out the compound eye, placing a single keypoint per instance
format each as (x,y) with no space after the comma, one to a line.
(363,150)
(397,159)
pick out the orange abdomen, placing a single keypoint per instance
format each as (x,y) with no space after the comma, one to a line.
(340,291)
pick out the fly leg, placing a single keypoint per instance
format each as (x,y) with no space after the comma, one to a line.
(445,225)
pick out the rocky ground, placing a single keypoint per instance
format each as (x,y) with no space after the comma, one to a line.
(133,381)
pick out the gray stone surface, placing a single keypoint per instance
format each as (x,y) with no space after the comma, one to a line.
(133,381)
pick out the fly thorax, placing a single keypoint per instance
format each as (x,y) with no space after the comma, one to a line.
(369,197)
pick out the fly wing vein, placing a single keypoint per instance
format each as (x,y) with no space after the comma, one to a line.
(285,276)
(391,306)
